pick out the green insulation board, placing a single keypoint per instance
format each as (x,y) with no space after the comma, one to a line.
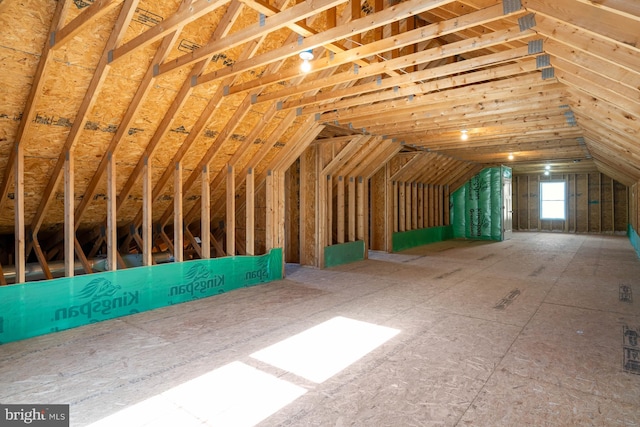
(634,239)
(410,239)
(343,253)
(476,207)
(38,308)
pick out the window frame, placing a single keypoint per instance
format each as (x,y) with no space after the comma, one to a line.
(564,200)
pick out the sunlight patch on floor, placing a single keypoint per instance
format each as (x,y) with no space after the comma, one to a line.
(232,395)
(326,349)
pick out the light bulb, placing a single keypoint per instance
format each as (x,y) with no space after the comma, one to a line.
(463,135)
(510,156)
(305,67)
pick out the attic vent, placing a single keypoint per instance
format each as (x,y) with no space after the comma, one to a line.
(510,6)
(543,61)
(548,73)
(581,141)
(571,118)
(535,46)
(527,21)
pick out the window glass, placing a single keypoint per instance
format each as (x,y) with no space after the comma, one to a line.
(552,200)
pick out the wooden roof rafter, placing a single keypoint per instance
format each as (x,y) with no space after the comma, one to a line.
(353,54)
(420,57)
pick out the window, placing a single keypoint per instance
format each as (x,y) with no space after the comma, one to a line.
(552,197)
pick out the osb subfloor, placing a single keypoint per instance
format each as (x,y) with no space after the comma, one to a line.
(538,330)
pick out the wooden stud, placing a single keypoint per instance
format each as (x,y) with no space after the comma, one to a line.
(69,208)
(3,281)
(270,202)
(447,211)
(420,212)
(321,206)
(250,212)
(280,214)
(329,213)
(231,211)
(360,202)
(390,213)
(178,227)
(351,209)
(205,213)
(112,224)
(402,206)
(395,208)
(19,221)
(408,209)
(147,214)
(340,210)
(365,217)
(306,209)
(414,205)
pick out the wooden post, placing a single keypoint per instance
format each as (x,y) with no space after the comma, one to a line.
(279,214)
(19,224)
(269,225)
(414,205)
(447,213)
(178,231)
(407,207)
(308,215)
(389,211)
(340,220)
(528,204)
(432,206)
(321,217)
(112,225)
(402,205)
(250,213)
(69,215)
(329,216)
(205,213)
(360,196)
(352,209)
(231,211)
(420,212)
(147,216)
(365,215)
(395,208)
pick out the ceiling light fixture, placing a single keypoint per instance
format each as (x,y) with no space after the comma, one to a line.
(464,135)
(546,173)
(306,56)
(510,156)
(547,167)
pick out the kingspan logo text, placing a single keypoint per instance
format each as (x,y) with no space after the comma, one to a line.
(198,281)
(102,300)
